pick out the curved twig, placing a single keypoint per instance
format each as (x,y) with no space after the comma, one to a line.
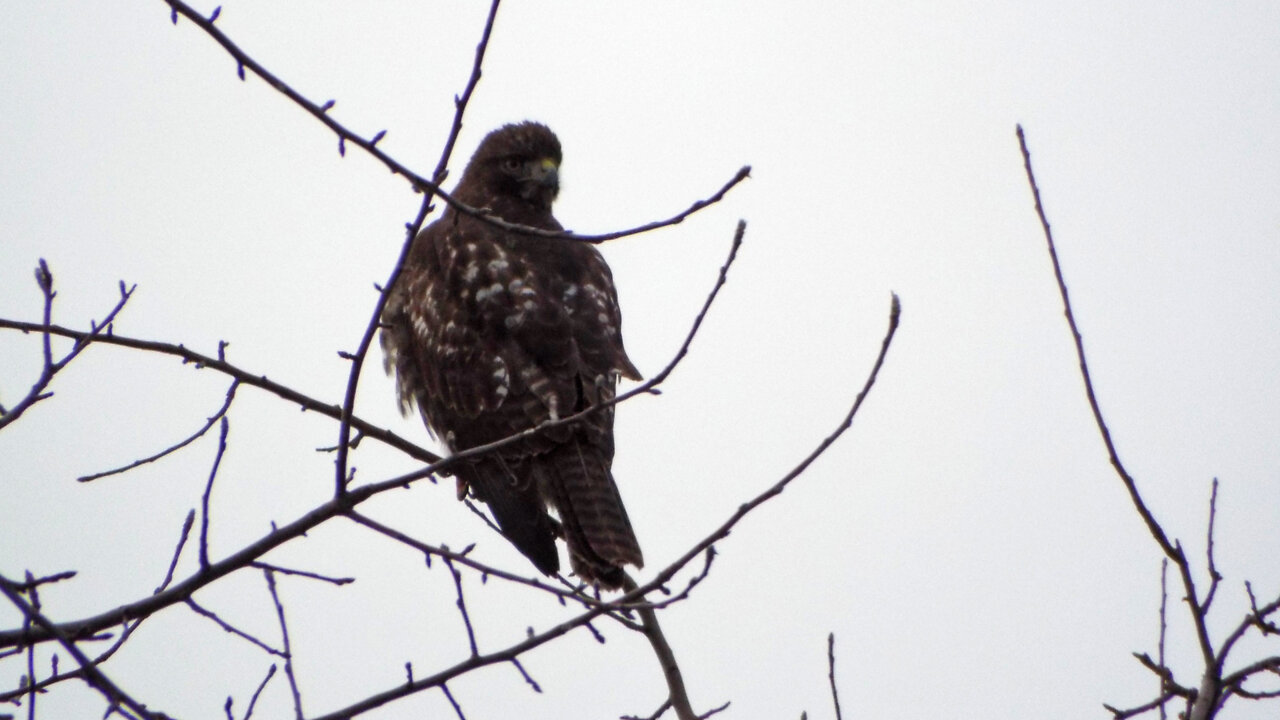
(222,411)
(366,340)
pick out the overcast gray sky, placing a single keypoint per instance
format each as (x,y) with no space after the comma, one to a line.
(967,541)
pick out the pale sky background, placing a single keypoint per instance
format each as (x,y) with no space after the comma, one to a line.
(967,541)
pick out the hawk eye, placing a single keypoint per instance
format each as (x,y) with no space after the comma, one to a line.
(511,164)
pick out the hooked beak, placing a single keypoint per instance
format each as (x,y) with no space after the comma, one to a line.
(541,181)
(545,172)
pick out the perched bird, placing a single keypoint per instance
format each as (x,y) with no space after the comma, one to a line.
(491,332)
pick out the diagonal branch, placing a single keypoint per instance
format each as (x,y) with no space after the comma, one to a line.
(678,696)
(245,377)
(831,673)
(421,184)
(287,651)
(629,596)
(895,311)
(1171,549)
(1153,526)
(222,411)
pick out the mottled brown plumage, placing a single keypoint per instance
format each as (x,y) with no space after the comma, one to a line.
(491,332)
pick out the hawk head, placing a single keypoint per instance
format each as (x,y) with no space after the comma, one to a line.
(515,162)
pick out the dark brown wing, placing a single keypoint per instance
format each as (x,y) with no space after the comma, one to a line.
(439,338)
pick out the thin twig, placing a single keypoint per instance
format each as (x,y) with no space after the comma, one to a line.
(224,426)
(1118,714)
(1164,601)
(1257,618)
(1214,576)
(222,411)
(708,557)
(1171,549)
(525,674)
(895,311)
(33,582)
(462,606)
(126,631)
(375,320)
(1237,679)
(714,711)
(445,553)
(663,708)
(1153,526)
(177,552)
(228,627)
(831,672)
(34,592)
(302,573)
(284,638)
(457,709)
(81,629)
(271,671)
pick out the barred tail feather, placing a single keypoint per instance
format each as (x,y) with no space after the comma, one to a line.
(576,478)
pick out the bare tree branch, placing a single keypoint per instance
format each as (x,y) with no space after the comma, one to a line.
(208,490)
(366,341)
(678,696)
(1164,603)
(1214,576)
(228,627)
(287,652)
(89,670)
(38,392)
(1214,690)
(457,709)
(221,412)
(629,596)
(429,187)
(253,702)
(202,361)
(177,552)
(462,606)
(302,573)
(831,673)
(56,677)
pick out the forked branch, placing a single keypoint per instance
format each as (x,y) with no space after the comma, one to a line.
(1206,698)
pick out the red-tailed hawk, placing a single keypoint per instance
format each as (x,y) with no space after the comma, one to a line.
(491,332)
